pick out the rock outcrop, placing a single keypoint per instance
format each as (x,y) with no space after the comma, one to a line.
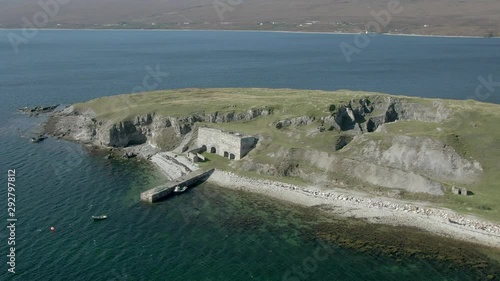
(423,155)
(361,116)
(34,111)
(297,121)
(414,164)
(157,130)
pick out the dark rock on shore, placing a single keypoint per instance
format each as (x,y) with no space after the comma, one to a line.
(129,155)
(38,138)
(34,111)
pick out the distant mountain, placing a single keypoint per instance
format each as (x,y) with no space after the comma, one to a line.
(446,17)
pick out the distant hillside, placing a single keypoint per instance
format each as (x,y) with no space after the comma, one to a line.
(444,17)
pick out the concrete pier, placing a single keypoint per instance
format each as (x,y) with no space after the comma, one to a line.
(178,185)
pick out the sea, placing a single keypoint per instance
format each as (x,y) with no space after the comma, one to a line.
(208,233)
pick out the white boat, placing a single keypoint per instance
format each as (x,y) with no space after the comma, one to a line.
(97,218)
(179,189)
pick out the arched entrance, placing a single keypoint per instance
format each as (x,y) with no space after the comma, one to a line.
(213,150)
(226,154)
(231,156)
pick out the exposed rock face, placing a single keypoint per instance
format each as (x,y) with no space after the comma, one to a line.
(351,171)
(298,121)
(421,155)
(361,116)
(342,141)
(375,122)
(125,134)
(345,120)
(143,120)
(129,155)
(218,117)
(393,178)
(85,128)
(414,164)
(348,117)
(73,125)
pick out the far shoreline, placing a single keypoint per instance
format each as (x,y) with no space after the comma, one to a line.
(257,31)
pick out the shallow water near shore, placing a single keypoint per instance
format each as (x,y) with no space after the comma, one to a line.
(208,233)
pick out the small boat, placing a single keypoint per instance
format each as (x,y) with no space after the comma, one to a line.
(98,218)
(179,189)
(38,139)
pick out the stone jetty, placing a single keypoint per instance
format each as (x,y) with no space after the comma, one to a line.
(178,185)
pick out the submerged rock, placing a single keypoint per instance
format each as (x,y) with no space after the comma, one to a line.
(33,111)
(39,138)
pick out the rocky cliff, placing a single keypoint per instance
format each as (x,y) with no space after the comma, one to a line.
(160,131)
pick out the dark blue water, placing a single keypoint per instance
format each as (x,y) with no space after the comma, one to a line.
(210,233)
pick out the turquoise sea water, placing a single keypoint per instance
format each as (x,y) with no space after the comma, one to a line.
(209,233)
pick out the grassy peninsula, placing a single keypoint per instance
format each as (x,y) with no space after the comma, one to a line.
(384,145)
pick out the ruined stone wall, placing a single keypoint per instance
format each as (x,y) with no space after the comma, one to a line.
(225,144)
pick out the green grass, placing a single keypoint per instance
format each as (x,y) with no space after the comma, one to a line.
(290,103)
(219,162)
(474,134)
(472,129)
(479,139)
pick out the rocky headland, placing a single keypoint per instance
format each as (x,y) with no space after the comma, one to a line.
(388,159)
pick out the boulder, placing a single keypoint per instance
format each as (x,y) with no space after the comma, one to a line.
(38,138)
(129,155)
(297,121)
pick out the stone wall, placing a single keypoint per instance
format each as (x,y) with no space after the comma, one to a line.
(459,191)
(229,145)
